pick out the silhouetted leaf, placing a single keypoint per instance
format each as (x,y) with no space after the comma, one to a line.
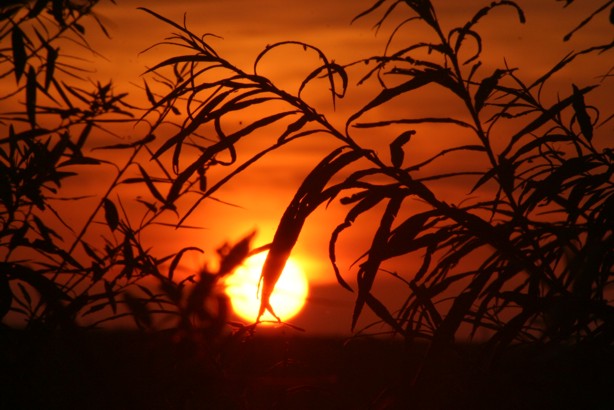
(382,312)
(486,87)
(368,270)
(420,79)
(545,116)
(367,201)
(37,8)
(505,172)
(396,148)
(25,294)
(57,10)
(307,198)
(152,188)
(52,56)
(210,152)
(537,143)
(19,51)
(110,213)
(151,206)
(31,85)
(550,186)
(402,237)
(584,120)
(150,96)
(293,127)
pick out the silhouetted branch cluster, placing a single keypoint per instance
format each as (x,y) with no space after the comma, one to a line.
(57,272)
(525,256)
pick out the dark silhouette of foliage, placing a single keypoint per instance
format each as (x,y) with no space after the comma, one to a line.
(526,256)
(53,274)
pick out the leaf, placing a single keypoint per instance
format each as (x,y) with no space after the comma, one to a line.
(150,96)
(25,294)
(550,186)
(366,203)
(31,85)
(544,117)
(52,56)
(382,312)
(403,235)
(110,213)
(92,254)
(368,270)
(307,198)
(396,148)
(486,87)
(37,8)
(293,127)
(584,120)
(152,188)
(19,51)
(420,79)
(57,10)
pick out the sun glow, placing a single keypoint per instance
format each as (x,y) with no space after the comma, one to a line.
(287,299)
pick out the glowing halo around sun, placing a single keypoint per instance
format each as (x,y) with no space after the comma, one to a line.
(287,299)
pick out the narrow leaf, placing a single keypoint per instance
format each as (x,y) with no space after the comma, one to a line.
(152,188)
(110,213)
(31,96)
(485,89)
(19,51)
(584,120)
(308,197)
(396,148)
(52,56)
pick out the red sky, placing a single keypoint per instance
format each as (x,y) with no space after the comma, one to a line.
(247,26)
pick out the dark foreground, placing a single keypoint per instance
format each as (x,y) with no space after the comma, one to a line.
(282,369)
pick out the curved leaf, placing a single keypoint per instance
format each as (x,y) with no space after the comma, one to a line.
(20,57)
(110,213)
(307,198)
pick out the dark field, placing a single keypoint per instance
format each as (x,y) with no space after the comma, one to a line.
(285,370)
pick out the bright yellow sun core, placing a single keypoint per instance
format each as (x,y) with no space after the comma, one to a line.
(287,299)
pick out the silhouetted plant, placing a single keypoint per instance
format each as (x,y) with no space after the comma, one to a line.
(525,256)
(55,275)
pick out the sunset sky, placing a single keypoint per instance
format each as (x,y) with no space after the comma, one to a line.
(248,26)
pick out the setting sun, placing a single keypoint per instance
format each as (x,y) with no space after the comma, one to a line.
(287,299)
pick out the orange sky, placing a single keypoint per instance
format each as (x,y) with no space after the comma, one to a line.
(247,26)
